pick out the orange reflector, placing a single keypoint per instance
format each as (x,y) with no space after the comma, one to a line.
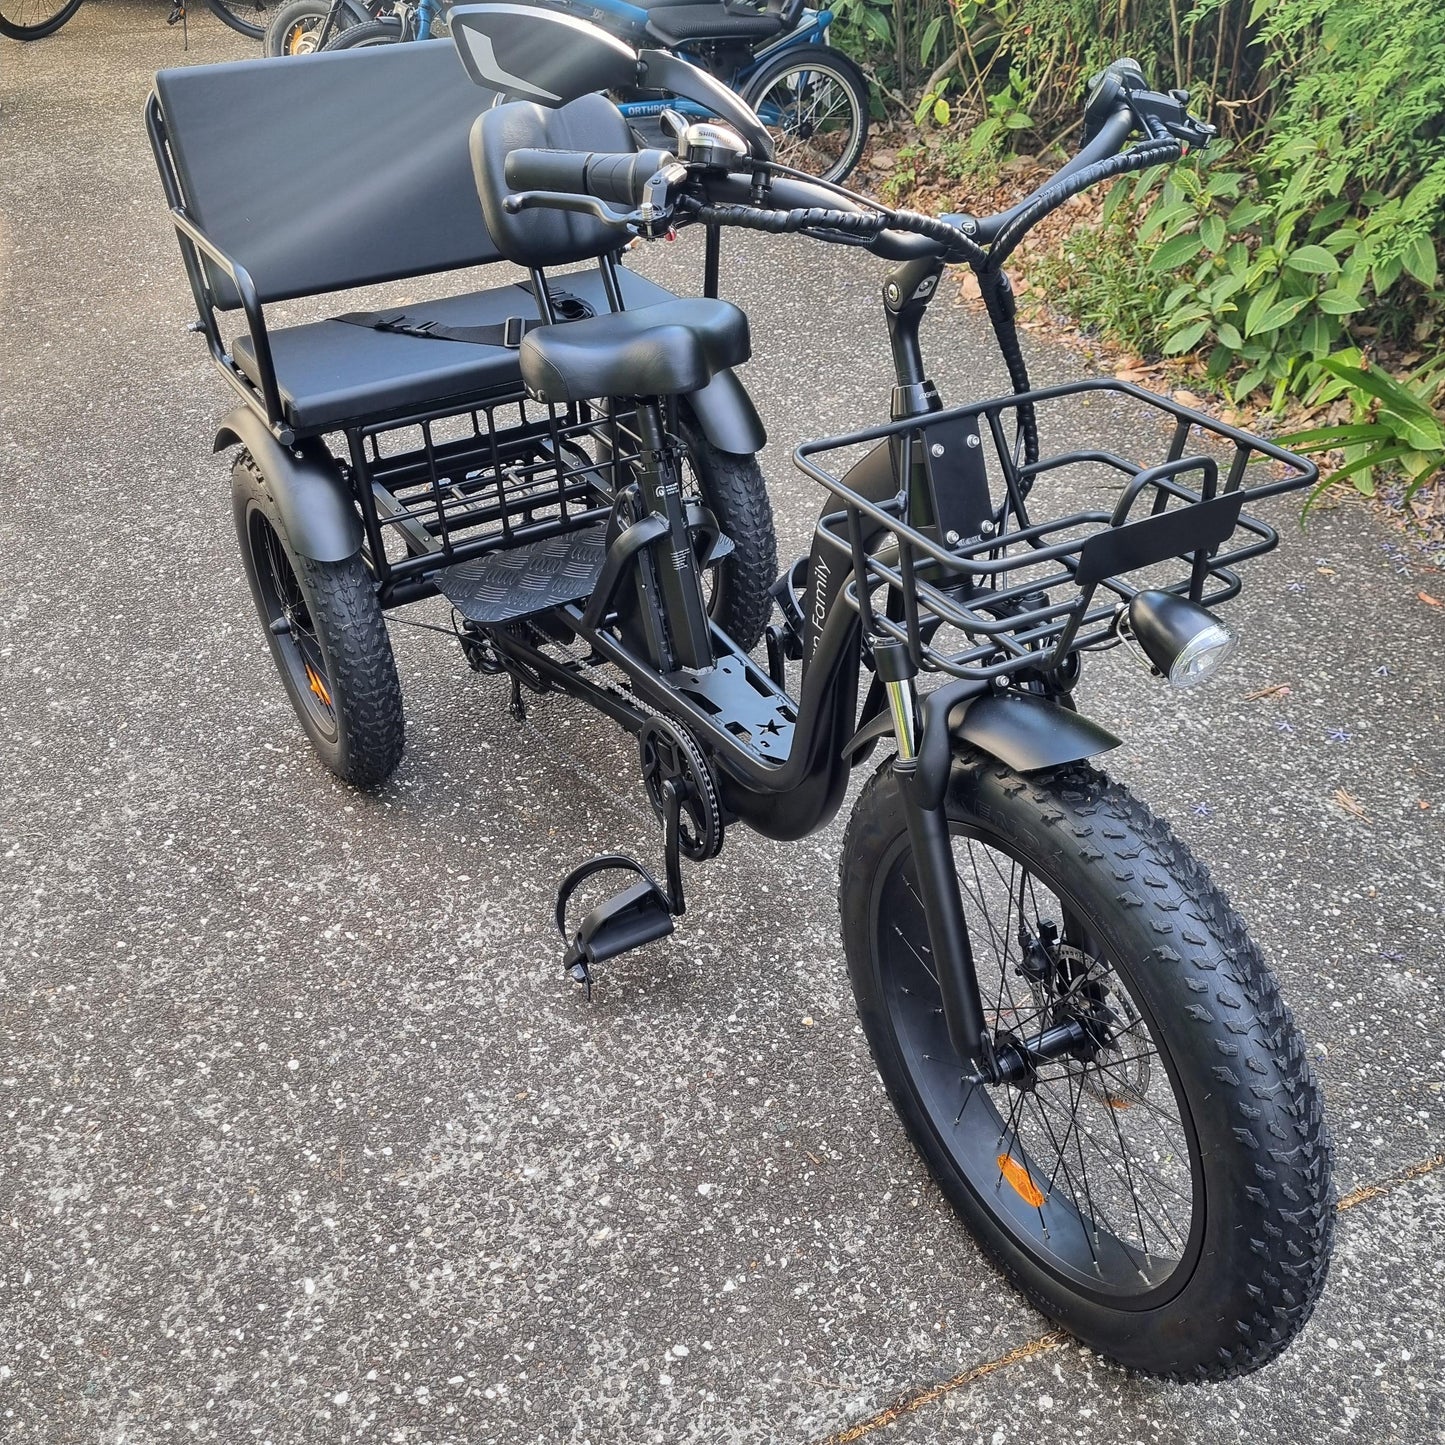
(1018,1176)
(317,685)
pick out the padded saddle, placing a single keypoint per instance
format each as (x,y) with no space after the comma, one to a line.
(680,22)
(662,350)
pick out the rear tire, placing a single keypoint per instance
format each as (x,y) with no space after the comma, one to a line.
(327,637)
(1216,1251)
(732,486)
(814,101)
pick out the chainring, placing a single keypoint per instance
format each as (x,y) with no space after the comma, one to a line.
(667,749)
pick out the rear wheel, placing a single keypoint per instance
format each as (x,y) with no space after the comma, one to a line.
(814,101)
(249,17)
(327,637)
(732,487)
(34,19)
(1163,1191)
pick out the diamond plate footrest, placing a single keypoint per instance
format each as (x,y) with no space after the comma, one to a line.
(521,581)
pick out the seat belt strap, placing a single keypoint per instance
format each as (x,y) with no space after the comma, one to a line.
(508,333)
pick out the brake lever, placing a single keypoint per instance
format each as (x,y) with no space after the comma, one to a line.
(521,201)
(1171,114)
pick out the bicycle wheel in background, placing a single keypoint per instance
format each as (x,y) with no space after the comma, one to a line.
(815,103)
(34,19)
(250,17)
(302,26)
(386,31)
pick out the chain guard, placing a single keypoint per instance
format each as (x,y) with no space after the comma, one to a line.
(667,749)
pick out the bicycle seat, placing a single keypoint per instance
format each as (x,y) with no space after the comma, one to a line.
(679,22)
(662,350)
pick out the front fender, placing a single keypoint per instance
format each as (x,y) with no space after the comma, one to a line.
(1028,733)
(1022,731)
(315,504)
(727,416)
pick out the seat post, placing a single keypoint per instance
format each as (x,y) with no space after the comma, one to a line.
(660,476)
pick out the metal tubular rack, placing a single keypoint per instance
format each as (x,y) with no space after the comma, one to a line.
(444,487)
(1020,595)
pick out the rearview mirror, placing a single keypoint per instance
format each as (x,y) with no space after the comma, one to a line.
(525,53)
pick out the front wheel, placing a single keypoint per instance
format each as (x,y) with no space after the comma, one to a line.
(814,101)
(1164,1191)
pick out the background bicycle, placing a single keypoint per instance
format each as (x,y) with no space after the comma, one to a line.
(35,19)
(775,54)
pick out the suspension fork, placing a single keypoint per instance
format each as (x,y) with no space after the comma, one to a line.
(938,886)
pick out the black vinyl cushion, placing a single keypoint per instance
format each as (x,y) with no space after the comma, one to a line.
(676,24)
(322,172)
(544,237)
(331,373)
(662,350)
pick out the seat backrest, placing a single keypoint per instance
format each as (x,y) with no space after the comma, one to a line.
(321,172)
(544,237)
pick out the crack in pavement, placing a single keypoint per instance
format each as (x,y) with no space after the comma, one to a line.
(914,1400)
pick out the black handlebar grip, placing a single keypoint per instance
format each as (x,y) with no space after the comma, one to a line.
(620,178)
(536,170)
(623,179)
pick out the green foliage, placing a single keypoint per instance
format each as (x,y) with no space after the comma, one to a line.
(1316,231)
(1395,424)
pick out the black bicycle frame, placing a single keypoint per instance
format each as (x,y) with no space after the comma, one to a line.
(803,789)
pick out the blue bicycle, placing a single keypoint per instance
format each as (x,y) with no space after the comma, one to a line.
(774,53)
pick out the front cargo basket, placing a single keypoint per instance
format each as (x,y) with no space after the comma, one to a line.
(965,566)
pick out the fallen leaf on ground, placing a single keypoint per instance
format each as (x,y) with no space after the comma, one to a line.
(969,287)
(1352,805)
(1430,601)
(1275,689)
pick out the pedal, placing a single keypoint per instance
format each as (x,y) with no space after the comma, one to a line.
(639,915)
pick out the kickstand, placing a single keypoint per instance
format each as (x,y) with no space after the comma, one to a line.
(517,707)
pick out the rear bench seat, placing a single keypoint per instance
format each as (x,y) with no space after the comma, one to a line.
(296,176)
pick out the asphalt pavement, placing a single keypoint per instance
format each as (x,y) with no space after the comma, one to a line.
(304,1138)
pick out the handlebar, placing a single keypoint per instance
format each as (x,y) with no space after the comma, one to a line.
(621,178)
(652,184)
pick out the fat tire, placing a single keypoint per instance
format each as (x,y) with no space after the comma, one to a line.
(1237,1056)
(12,30)
(370,32)
(351,630)
(796,58)
(733,487)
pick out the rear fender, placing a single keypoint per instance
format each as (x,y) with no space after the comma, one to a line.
(727,416)
(316,506)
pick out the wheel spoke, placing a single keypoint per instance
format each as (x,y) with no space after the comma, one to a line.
(1127,1182)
